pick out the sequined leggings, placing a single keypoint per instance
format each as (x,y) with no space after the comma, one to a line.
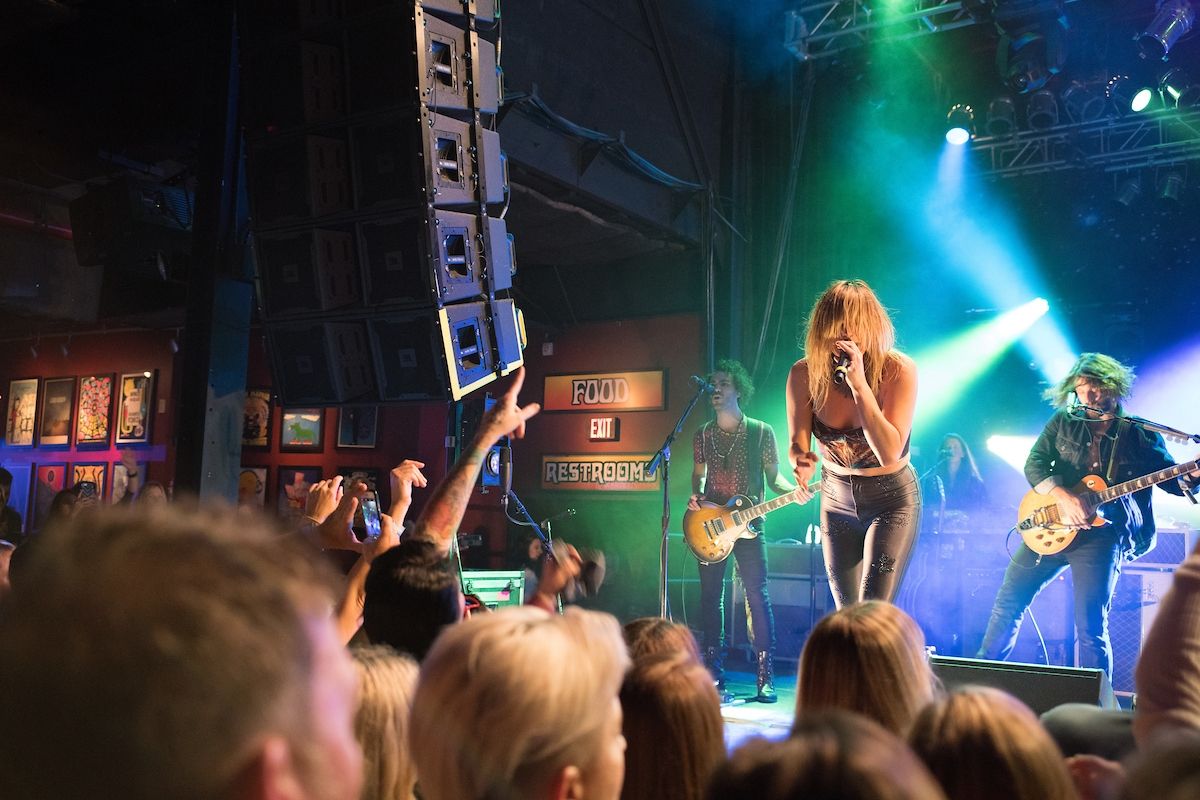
(873,520)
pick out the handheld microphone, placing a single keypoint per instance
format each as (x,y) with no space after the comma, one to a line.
(839,371)
(945,452)
(703,385)
(505,473)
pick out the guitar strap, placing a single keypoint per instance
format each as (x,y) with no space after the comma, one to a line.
(755,430)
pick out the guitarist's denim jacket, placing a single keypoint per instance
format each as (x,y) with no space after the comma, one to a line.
(1060,458)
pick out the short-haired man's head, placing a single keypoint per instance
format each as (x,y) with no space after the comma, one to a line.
(507,700)
(982,743)
(411,595)
(1102,370)
(868,658)
(835,755)
(740,377)
(6,478)
(147,655)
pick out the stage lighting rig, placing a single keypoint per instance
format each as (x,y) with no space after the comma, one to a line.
(1177,90)
(1033,41)
(1172,20)
(1001,117)
(960,124)
(1042,111)
(1127,95)
(1085,102)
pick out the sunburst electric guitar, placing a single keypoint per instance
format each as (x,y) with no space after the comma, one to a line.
(1038,520)
(712,530)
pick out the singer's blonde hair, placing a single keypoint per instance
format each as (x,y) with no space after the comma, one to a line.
(847,309)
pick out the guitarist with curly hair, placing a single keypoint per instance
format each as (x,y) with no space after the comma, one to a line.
(1092,470)
(736,455)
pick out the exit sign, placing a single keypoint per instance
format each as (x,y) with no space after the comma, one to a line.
(605,429)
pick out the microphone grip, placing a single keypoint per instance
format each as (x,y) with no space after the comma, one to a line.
(839,371)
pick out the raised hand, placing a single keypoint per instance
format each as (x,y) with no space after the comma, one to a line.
(403,478)
(323,497)
(506,418)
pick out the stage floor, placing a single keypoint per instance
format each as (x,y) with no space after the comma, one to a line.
(745,719)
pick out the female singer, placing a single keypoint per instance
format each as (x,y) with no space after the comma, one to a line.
(856,394)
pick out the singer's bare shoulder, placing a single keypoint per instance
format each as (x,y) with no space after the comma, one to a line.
(799,371)
(900,368)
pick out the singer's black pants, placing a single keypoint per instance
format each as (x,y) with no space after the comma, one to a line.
(868,525)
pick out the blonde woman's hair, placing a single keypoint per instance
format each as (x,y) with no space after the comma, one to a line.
(830,755)
(869,658)
(386,680)
(850,308)
(984,744)
(507,700)
(673,728)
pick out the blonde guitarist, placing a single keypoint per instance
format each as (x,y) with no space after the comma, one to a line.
(733,456)
(1089,444)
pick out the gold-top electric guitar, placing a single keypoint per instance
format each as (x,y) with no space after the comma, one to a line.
(1038,521)
(712,530)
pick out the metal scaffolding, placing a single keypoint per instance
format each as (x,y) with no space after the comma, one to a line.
(1157,139)
(822,29)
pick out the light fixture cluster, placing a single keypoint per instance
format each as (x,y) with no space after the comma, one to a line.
(1168,184)
(1079,102)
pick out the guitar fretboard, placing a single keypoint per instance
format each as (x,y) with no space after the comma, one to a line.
(1137,484)
(746,514)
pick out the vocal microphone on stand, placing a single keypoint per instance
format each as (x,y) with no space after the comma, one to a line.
(839,371)
(703,385)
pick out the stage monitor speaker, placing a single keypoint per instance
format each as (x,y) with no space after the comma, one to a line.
(321,362)
(1038,686)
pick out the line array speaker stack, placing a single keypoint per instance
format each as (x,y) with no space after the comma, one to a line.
(377,187)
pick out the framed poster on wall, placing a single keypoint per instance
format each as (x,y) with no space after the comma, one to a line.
(357,426)
(133,410)
(22,412)
(301,430)
(93,473)
(252,487)
(294,483)
(49,480)
(256,418)
(58,412)
(94,410)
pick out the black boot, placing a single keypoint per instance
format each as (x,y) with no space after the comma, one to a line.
(766,678)
(715,662)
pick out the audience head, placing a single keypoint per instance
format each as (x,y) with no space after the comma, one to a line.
(62,506)
(869,658)
(521,703)
(983,743)
(386,680)
(654,636)
(152,493)
(151,654)
(411,595)
(831,755)
(673,728)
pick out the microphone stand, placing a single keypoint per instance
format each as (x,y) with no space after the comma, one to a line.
(547,544)
(662,457)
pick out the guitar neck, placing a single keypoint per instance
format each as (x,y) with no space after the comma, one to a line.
(1144,482)
(761,509)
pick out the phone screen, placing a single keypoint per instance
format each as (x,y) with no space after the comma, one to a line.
(87,490)
(370,512)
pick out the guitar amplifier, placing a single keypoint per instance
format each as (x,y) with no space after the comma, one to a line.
(495,588)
